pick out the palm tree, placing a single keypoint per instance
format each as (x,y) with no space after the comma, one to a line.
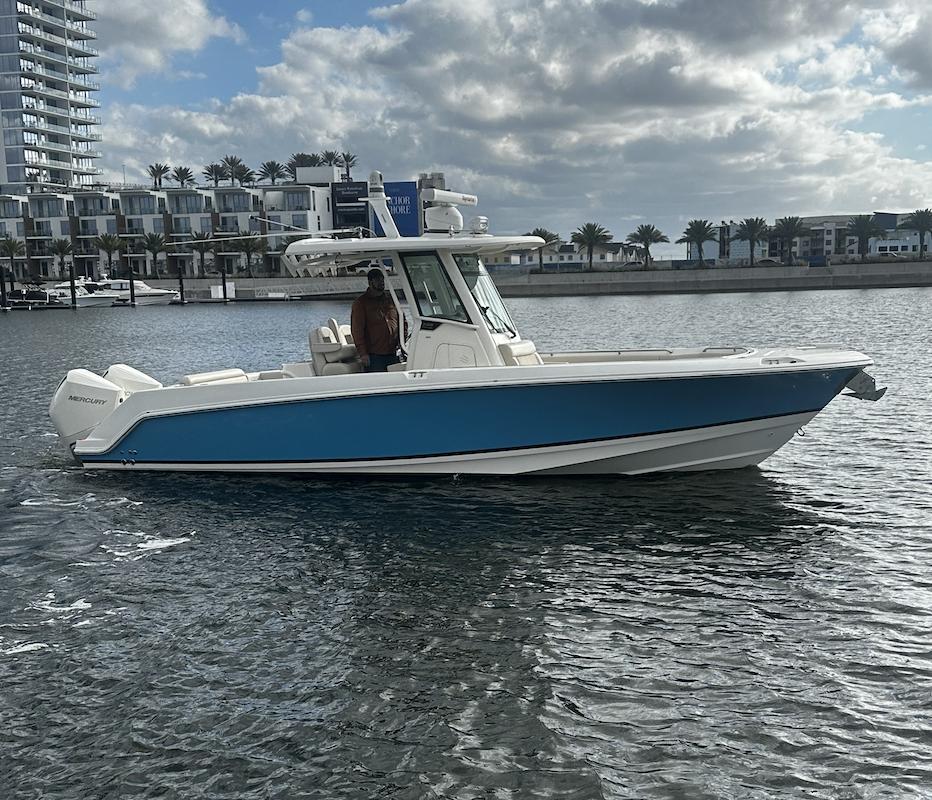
(11,248)
(348,161)
(182,176)
(62,248)
(302,160)
(244,175)
(644,237)
(330,158)
(786,230)
(157,171)
(589,236)
(154,243)
(110,243)
(272,171)
(920,221)
(752,230)
(698,232)
(550,239)
(864,228)
(216,173)
(202,244)
(251,245)
(231,163)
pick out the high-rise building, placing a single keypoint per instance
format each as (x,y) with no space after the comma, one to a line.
(47,96)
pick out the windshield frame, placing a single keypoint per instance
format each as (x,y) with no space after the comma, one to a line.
(485,295)
(408,261)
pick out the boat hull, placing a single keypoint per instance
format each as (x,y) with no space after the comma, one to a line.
(147,299)
(621,426)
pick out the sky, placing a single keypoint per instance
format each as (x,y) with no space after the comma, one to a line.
(554,112)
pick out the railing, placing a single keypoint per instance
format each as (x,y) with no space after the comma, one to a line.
(41,89)
(63,21)
(53,56)
(38,33)
(73,8)
(76,99)
(77,80)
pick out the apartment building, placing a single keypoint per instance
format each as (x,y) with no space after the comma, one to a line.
(175,213)
(47,98)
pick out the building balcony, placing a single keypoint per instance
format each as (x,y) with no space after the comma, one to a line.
(62,22)
(33,32)
(59,58)
(48,126)
(73,80)
(83,102)
(43,91)
(84,119)
(74,9)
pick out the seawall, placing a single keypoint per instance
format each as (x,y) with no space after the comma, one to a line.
(871,275)
(735,279)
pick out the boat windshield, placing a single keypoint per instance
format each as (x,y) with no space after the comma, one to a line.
(485,294)
(433,291)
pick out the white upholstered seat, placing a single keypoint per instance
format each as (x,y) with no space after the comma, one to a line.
(519,354)
(331,353)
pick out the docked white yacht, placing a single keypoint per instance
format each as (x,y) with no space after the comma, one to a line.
(87,293)
(471,394)
(145,295)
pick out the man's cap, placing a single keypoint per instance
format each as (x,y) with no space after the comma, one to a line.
(374,273)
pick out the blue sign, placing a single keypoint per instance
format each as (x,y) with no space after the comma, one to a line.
(404,207)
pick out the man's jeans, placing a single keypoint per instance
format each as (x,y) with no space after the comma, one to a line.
(380,363)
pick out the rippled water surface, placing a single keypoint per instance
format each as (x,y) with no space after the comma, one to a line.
(750,634)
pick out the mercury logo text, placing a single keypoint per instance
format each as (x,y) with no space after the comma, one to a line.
(92,400)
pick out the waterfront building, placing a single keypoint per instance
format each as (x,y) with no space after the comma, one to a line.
(827,236)
(47,98)
(176,213)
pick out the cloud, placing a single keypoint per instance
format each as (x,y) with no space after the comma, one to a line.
(140,37)
(901,32)
(561,112)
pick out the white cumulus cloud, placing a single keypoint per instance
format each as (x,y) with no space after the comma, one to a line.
(140,37)
(559,113)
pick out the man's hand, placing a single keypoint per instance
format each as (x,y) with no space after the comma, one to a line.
(365,360)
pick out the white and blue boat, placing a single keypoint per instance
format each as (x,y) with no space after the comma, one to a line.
(470,396)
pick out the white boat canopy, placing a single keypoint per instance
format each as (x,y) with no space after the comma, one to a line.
(480,244)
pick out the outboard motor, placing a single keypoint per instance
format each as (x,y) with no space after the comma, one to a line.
(83,399)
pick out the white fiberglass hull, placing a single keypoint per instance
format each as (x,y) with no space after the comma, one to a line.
(602,418)
(146,299)
(92,300)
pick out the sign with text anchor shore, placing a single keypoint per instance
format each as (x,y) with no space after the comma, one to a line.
(404,207)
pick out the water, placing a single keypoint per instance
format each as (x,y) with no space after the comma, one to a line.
(754,634)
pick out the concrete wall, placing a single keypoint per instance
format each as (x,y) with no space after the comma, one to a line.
(744,279)
(523,284)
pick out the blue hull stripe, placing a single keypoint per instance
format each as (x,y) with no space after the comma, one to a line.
(425,424)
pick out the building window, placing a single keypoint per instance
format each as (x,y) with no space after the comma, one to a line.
(299,220)
(182,224)
(206,227)
(111,226)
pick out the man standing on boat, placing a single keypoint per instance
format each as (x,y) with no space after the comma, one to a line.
(375,325)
